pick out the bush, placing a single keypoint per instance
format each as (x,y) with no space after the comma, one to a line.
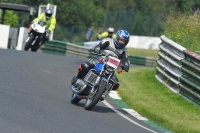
(183,29)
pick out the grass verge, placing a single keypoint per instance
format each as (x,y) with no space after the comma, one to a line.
(144,93)
(143,52)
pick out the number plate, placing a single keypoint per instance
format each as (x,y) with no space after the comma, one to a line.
(113,62)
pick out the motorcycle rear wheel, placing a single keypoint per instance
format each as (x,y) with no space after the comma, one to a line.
(93,99)
(74,99)
(29,43)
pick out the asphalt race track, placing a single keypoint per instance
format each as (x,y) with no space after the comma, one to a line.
(35,98)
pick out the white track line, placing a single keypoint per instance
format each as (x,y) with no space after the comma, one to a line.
(132,121)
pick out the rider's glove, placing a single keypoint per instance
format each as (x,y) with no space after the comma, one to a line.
(125,66)
(47,33)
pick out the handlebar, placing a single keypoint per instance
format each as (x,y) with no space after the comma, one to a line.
(100,54)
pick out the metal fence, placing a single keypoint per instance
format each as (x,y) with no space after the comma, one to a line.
(179,69)
(63,48)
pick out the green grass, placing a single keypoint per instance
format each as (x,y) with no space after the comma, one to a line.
(144,93)
(143,52)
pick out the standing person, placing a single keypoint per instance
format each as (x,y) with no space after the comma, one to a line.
(50,21)
(107,34)
(89,34)
(116,45)
(97,34)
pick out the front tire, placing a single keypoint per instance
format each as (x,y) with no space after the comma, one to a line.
(29,43)
(37,45)
(93,99)
(74,99)
(34,49)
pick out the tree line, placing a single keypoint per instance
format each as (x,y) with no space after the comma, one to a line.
(145,19)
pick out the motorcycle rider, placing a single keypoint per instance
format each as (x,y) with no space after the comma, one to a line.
(116,45)
(50,21)
(107,34)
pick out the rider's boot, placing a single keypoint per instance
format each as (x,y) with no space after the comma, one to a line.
(116,86)
(82,71)
(74,79)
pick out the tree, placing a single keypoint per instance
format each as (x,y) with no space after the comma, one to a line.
(11,18)
(85,13)
(78,13)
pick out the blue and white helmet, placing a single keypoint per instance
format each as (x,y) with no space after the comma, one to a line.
(121,34)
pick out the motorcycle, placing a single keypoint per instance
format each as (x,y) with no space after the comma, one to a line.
(33,41)
(98,81)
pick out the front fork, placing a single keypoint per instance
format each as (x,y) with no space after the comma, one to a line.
(29,37)
(35,40)
(31,34)
(98,79)
(95,84)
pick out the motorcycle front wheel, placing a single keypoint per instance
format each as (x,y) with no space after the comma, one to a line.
(74,99)
(29,43)
(93,98)
(34,49)
(36,46)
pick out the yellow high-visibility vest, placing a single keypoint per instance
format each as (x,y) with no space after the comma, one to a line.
(50,23)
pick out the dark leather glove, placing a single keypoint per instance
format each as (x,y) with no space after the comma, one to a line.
(125,66)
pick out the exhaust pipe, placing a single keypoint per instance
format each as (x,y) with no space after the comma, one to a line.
(82,97)
(75,90)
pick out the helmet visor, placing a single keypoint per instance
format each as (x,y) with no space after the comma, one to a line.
(48,15)
(122,41)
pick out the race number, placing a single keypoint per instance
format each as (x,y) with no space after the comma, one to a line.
(113,62)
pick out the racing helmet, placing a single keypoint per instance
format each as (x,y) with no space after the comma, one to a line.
(121,35)
(48,13)
(111,30)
